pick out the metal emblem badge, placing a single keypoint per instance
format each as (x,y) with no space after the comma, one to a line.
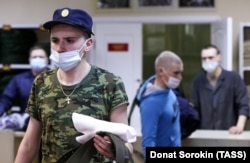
(65,12)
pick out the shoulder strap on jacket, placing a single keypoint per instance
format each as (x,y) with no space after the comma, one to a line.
(84,153)
(134,103)
(122,153)
(132,108)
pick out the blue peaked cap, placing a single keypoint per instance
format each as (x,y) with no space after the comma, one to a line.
(75,17)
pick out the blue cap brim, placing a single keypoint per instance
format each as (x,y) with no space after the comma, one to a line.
(48,25)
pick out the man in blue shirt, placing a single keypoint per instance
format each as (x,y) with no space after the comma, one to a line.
(159,108)
(18,89)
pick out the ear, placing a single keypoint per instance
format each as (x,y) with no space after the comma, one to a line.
(88,44)
(160,71)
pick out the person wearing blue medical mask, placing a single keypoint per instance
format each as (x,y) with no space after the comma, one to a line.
(74,85)
(38,60)
(220,96)
(17,91)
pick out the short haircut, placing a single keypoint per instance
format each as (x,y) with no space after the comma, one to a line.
(208,46)
(167,59)
(35,47)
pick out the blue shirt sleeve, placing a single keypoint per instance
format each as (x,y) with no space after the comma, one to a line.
(17,92)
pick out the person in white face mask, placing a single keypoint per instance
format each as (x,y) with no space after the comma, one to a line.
(73,86)
(220,96)
(159,108)
(38,60)
(17,91)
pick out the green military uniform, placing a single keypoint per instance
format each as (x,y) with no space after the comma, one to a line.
(97,95)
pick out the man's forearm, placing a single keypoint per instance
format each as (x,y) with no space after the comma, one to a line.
(241,122)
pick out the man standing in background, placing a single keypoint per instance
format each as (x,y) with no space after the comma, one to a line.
(17,91)
(220,96)
(159,107)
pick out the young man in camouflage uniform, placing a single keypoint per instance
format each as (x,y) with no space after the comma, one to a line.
(75,86)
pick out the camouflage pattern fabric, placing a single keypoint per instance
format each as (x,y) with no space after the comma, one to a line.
(97,94)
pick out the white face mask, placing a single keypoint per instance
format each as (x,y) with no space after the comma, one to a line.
(66,60)
(210,66)
(173,82)
(38,64)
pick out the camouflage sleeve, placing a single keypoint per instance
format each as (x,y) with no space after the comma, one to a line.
(40,88)
(118,95)
(31,107)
